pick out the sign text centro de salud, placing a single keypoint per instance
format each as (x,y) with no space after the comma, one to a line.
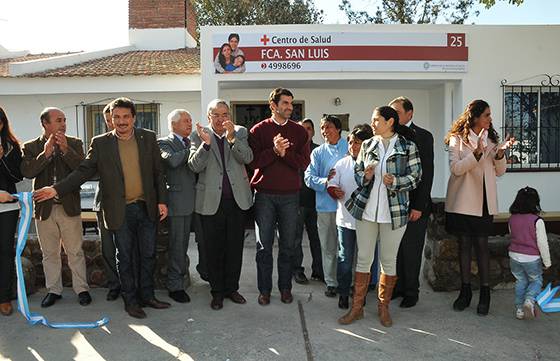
(350,52)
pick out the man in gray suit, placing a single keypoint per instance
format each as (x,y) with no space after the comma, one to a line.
(219,154)
(175,149)
(108,250)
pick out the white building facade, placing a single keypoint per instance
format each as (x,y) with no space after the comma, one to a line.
(439,67)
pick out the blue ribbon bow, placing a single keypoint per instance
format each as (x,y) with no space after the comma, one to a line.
(546,299)
(26,203)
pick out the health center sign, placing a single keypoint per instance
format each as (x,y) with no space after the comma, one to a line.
(339,52)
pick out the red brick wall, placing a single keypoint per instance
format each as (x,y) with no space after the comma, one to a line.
(191,19)
(156,14)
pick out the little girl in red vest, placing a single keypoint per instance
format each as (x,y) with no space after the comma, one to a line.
(528,250)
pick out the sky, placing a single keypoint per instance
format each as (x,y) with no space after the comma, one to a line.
(74,25)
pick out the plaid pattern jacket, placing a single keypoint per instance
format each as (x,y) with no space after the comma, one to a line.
(404,163)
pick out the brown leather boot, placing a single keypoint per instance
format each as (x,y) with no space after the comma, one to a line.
(361,282)
(386,286)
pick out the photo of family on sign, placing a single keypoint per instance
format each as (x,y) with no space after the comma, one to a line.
(230,59)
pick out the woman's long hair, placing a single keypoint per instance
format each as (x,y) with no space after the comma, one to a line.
(463,125)
(6,134)
(387,112)
(222,58)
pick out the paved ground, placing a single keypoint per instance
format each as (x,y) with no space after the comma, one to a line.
(430,331)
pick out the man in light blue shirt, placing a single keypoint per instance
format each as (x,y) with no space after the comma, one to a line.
(317,174)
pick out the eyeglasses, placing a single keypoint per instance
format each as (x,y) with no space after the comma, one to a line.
(216,116)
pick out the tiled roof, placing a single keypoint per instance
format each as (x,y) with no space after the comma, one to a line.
(140,62)
(4,62)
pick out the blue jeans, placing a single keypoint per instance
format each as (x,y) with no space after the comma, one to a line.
(136,250)
(272,210)
(345,266)
(528,282)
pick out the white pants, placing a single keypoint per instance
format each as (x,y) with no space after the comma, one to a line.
(367,233)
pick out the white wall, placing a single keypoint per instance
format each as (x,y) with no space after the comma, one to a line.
(23,110)
(515,53)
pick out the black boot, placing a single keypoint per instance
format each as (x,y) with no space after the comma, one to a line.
(464,299)
(484,301)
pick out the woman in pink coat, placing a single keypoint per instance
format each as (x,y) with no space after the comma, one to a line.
(475,159)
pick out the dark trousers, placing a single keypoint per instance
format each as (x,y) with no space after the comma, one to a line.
(137,235)
(201,267)
(108,252)
(8,225)
(271,211)
(224,234)
(409,258)
(179,228)
(308,218)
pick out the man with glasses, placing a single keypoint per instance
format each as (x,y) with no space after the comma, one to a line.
(219,154)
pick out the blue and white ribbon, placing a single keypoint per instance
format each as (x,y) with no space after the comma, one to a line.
(546,299)
(26,203)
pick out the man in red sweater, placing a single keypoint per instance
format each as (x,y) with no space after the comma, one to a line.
(281,151)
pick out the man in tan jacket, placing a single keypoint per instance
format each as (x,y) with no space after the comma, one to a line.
(46,159)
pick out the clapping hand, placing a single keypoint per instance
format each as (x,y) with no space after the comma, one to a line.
(61,141)
(203,134)
(369,171)
(49,146)
(230,130)
(509,142)
(479,144)
(281,144)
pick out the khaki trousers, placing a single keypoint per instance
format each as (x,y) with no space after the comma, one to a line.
(389,240)
(59,229)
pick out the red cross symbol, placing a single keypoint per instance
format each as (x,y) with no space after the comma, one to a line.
(265,39)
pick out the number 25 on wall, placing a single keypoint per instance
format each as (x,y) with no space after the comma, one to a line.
(456,40)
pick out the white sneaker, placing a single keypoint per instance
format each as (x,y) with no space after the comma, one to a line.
(519,314)
(529,309)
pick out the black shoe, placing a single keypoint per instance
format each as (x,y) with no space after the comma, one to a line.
(217,303)
(343,302)
(179,296)
(300,278)
(113,294)
(84,298)
(154,303)
(330,292)
(135,311)
(409,301)
(317,277)
(50,299)
(464,299)
(484,301)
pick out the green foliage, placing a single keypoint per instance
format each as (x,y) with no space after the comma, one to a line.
(418,11)
(256,12)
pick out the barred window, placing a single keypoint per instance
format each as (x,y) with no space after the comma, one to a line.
(147,116)
(532,116)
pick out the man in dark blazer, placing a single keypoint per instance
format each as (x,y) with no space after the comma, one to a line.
(219,154)
(46,159)
(175,150)
(409,258)
(108,250)
(134,199)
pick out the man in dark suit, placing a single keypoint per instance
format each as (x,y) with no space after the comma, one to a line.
(409,258)
(175,150)
(308,218)
(108,250)
(219,154)
(46,159)
(134,200)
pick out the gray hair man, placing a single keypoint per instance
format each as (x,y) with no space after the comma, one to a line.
(175,150)
(219,154)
